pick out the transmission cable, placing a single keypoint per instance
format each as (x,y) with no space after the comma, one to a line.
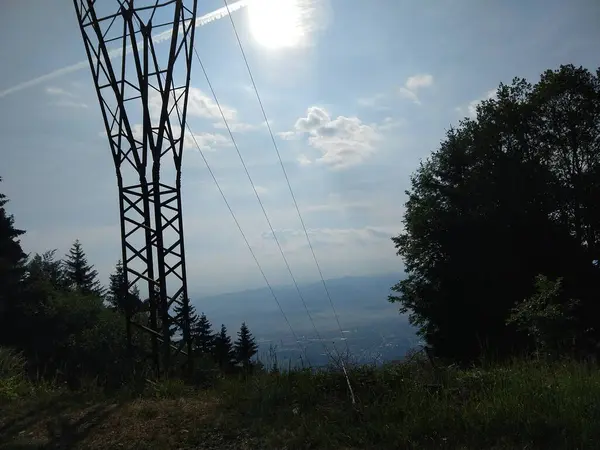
(234,142)
(262,272)
(275,146)
(270,225)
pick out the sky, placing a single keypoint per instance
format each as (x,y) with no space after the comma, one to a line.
(356,93)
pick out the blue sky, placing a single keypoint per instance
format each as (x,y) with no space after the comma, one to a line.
(366,93)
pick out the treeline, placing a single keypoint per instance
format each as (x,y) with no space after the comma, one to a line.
(69,327)
(501,240)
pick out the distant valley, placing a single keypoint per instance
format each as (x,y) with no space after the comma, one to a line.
(374,330)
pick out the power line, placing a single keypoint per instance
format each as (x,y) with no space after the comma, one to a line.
(262,272)
(258,197)
(286,175)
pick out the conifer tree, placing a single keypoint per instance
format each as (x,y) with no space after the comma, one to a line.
(204,339)
(223,349)
(12,260)
(121,298)
(178,314)
(80,275)
(245,347)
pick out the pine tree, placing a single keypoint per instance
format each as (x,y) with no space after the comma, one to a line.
(223,350)
(81,276)
(203,336)
(178,314)
(121,298)
(245,347)
(12,260)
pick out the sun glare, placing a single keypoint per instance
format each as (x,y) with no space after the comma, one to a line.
(276,23)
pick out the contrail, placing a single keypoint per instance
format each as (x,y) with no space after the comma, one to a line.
(160,37)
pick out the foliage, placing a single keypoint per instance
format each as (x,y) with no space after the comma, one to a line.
(507,196)
(203,336)
(12,374)
(12,363)
(223,349)
(245,347)
(521,404)
(119,296)
(45,268)
(544,317)
(12,260)
(80,275)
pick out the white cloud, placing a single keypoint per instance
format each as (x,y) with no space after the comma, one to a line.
(373,102)
(390,123)
(65,98)
(288,135)
(303,160)
(413,84)
(419,81)
(201,105)
(471,108)
(295,239)
(237,127)
(206,141)
(261,190)
(337,203)
(52,90)
(200,21)
(343,141)
(70,104)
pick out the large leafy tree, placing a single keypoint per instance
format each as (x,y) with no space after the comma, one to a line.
(245,347)
(495,206)
(80,275)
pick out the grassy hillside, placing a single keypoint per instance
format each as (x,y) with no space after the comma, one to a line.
(521,405)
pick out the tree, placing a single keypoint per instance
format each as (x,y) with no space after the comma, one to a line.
(491,209)
(179,312)
(545,316)
(45,268)
(223,350)
(245,347)
(202,333)
(119,296)
(80,275)
(12,264)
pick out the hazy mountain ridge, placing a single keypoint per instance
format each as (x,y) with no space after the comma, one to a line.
(372,326)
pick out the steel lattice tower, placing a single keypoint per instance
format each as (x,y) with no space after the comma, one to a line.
(143,97)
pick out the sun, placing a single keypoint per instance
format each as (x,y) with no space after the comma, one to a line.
(276,23)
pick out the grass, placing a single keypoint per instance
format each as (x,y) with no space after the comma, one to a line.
(525,405)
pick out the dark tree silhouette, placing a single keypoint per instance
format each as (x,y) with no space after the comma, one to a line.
(179,313)
(223,349)
(80,275)
(45,268)
(204,339)
(507,196)
(245,347)
(119,297)
(12,264)
(122,299)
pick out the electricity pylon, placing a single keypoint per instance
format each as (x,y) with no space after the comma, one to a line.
(143,95)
